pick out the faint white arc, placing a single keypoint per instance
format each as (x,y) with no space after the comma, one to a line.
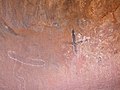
(31,62)
(19,79)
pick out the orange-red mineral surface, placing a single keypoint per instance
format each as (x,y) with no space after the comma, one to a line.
(59,44)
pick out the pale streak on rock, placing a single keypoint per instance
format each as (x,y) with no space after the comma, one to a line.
(22,83)
(22,60)
(19,78)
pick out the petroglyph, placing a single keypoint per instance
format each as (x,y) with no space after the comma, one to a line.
(20,80)
(25,61)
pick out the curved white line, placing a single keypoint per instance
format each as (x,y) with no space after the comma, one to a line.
(31,62)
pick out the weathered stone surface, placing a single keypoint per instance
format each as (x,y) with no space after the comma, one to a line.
(37,45)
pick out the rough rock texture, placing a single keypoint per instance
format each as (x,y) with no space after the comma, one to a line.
(59,44)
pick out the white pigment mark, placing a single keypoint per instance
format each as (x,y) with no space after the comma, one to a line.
(26,61)
(22,85)
(20,79)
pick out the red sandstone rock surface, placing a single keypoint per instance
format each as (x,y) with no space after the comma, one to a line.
(37,49)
